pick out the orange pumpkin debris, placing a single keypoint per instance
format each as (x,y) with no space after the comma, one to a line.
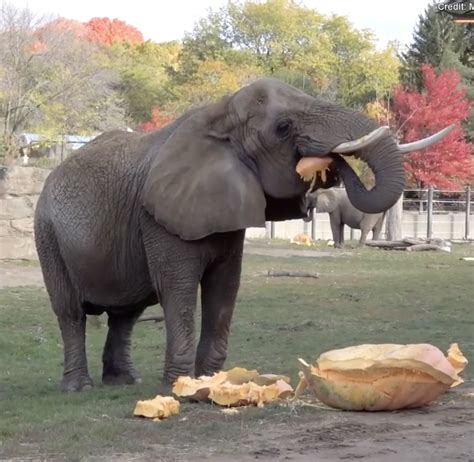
(236,387)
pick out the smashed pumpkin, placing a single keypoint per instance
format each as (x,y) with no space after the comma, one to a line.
(157,408)
(236,387)
(382,377)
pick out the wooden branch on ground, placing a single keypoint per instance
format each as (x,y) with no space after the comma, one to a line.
(413,244)
(291,274)
(151,318)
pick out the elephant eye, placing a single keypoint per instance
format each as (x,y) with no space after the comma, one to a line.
(283,129)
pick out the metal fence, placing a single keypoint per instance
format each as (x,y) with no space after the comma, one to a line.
(426,213)
(437,203)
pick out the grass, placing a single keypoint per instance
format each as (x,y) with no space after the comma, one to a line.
(370,296)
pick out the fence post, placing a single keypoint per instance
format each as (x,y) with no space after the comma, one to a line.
(305,227)
(313,225)
(352,234)
(468,213)
(429,217)
(272,230)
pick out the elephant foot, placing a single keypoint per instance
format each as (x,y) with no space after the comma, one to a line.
(207,370)
(76,382)
(165,388)
(116,377)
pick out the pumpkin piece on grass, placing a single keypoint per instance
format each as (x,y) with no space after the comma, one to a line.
(157,408)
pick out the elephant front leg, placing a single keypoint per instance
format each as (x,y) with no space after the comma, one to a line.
(117,364)
(337,229)
(219,288)
(178,289)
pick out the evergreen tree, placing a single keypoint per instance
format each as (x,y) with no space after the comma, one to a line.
(435,34)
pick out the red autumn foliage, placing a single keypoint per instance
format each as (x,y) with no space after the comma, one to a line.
(68,25)
(158,120)
(57,26)
(449,163)
(107,32)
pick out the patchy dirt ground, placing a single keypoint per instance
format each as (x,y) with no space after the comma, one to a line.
(441,432)
(13,274)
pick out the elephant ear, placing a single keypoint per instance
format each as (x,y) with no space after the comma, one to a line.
(326,200)
(197,185)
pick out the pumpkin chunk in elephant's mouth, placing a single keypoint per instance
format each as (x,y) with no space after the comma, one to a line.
(309,168)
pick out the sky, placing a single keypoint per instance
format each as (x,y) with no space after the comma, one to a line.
(164,20)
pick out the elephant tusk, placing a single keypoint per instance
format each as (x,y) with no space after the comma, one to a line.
(425,142)
(363,142)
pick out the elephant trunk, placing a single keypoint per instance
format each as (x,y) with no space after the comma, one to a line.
(348,132)
(385,161)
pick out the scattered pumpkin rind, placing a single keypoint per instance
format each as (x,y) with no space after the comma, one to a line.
(236,387)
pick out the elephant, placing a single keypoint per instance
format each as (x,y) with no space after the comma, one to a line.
(341,212)
(134,219)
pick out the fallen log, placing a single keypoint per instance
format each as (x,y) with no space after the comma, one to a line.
(413,244)
(291,274)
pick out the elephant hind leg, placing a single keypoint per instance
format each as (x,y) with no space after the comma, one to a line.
(377,229)
(363,236)
(117,364)
(67,307)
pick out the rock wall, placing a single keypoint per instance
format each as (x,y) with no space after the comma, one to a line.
(19,191)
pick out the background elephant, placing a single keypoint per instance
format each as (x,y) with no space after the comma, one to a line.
(133,219)
(341,212)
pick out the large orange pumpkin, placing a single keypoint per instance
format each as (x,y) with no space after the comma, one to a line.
(382,377)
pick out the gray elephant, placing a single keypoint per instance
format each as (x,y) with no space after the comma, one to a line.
(134,219)
(335,201)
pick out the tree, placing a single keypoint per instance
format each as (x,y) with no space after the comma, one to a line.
(145,72)
(158,120)
(434,34)
(51,79)
(108,31)
(281,37)
(213,79)
(440,42)
(449,163)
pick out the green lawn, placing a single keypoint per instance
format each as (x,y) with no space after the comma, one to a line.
(371,296)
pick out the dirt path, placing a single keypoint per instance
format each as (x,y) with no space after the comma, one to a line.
(288,253)
(18,274)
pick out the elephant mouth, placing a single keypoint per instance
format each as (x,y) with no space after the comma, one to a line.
(318,172)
